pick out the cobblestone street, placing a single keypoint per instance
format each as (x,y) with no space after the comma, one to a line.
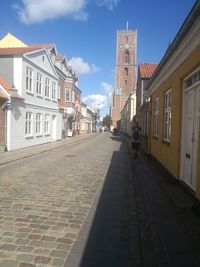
(48,198)
(87,203)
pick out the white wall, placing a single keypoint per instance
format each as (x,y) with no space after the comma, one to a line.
(16,123)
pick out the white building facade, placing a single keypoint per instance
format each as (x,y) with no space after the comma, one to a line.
(36,119)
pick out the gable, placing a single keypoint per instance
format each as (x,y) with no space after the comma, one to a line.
(41,59)
(10,41)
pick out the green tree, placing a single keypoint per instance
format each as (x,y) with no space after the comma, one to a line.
(107,121)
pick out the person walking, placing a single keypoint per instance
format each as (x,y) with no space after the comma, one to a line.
(135,139)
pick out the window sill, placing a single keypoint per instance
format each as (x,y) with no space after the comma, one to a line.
(29,136)
(53,100)
(166,142)
(39,96)
(30,93)
(39,135)
(47,134)
(47,98)
(155,137)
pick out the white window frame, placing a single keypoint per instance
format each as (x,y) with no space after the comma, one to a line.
(38,124)
(155,116)
(29,124)
(59,88)
(39,84)
(73,97)
(46,124)
(67,99)
(54,91)
(47,88)
(167,115)
(29,80)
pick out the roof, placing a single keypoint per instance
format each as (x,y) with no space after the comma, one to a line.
(146,70)
(16,50)
(12,92)
(59,58)
(183,31)
(11,41)
(47,46)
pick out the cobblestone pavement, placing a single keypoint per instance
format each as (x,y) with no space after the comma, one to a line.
(88,203)
(53,205)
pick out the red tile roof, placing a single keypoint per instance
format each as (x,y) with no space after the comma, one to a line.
(13,93)
(59,58)
(146,70)
(48,46)
(16,50)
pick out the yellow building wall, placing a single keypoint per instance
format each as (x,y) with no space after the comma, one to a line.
(169,155)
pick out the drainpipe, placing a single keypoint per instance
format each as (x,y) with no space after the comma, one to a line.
(7,107)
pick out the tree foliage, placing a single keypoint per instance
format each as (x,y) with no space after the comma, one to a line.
(107,121)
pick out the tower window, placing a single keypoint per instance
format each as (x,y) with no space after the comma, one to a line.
(127,57)
(126,71)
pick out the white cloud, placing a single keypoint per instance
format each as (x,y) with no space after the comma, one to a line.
(96,101)
(100,101)
(108,88)
(109,4)
(34,11)
(81,67)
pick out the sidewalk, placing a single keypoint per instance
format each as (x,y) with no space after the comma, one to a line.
(177,194)
(10,156)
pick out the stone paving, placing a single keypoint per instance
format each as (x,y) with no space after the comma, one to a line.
(87,203)
(45,201)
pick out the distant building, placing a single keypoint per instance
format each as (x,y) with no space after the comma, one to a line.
(125,72)
(145,71)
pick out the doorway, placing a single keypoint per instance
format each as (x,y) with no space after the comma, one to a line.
(190,134)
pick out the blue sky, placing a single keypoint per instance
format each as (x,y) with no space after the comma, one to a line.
(85,32)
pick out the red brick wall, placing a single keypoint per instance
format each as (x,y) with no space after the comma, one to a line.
(125,71)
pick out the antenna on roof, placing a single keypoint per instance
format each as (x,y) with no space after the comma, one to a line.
(127,25)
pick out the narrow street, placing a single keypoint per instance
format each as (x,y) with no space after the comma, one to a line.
(88,203)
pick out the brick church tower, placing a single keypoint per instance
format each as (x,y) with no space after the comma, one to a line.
(125,71)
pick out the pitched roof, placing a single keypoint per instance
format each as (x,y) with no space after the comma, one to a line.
(16,50)
(59,58)
(146,70)
(47,46)
(11,41)
(12,92)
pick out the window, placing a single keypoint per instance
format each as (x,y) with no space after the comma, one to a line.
(47,89)
(47,124)
(167,115)
(194,78)
(126,71)
(54,95)
(67,95)
(28,124)
(39,84)
(155,116)
(127,55)
(38,129)
(29,80)
(59,88)
(73,97)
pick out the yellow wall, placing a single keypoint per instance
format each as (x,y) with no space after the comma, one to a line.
(11,41)
(169,154)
